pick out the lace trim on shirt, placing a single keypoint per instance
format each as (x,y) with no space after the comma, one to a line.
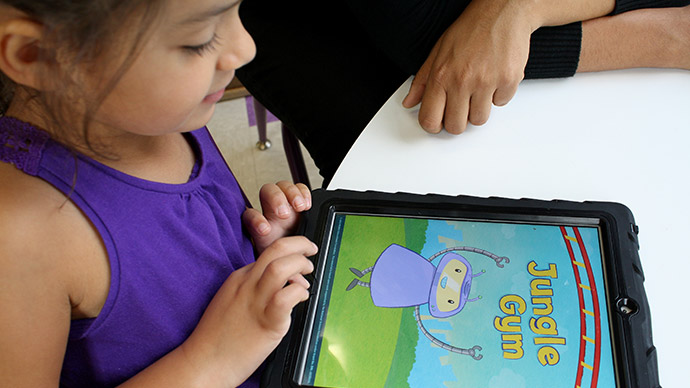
(21,144)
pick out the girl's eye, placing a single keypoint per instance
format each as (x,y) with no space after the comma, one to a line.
(203,48)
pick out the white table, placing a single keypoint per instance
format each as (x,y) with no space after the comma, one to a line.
(620,136)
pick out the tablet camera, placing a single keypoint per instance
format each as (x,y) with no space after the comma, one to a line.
(627,306)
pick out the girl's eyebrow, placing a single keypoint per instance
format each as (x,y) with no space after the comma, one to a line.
(207,14)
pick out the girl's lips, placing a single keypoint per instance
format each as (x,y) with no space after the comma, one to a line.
(214,97)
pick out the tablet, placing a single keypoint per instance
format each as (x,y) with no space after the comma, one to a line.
(439,291)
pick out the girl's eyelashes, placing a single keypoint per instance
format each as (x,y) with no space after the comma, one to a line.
(204,47)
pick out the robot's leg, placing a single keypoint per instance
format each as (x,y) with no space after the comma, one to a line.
(359,273)
(356,282)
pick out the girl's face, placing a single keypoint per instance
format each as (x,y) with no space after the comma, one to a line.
(181,71)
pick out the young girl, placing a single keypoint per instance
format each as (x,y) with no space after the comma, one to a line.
(126,251)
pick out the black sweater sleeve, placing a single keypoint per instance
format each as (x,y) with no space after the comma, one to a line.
(554,51)
(630,5)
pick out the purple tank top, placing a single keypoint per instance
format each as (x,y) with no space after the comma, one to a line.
(170,247)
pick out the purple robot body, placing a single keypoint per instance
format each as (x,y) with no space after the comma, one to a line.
(403,278)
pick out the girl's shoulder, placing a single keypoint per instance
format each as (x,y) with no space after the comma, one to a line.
(34,296)
(24,201)
(26,204)
(45,240)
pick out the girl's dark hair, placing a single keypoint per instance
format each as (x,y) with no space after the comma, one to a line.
(6,92)
(83,34)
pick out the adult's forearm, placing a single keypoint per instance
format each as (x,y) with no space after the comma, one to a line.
(606,43)
(640,38)
(560,12)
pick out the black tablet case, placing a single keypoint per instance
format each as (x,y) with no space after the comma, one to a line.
(635,354)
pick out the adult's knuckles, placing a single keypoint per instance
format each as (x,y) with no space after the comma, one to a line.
(438,77)
(479,80)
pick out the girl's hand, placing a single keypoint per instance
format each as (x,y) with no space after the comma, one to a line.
(251,312)
(281,204)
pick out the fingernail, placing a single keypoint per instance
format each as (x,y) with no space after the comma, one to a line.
(298,202)
(263,228)
(283,210)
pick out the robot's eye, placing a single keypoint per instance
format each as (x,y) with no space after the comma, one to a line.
(451,301)
(458,270)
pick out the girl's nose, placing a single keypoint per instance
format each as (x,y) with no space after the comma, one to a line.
(239,49)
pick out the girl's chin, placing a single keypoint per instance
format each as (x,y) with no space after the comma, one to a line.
(202,118)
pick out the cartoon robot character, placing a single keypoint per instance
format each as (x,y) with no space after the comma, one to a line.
(403,278)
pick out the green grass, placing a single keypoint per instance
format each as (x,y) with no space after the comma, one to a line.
(357,351)
(369,346)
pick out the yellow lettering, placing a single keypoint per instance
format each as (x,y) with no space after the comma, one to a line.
(510,304)
(512,346)
(510,323)
(546,310)
(543,326)
(549,341)
(547,356)
(551,272)
(539,287)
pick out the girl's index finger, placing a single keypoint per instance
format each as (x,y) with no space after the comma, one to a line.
(282,272)
(287,246)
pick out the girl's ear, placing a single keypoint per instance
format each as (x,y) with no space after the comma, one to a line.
(20,43)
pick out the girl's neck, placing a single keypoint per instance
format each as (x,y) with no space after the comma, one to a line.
(166,158)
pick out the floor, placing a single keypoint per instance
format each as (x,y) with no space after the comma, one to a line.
(233,128)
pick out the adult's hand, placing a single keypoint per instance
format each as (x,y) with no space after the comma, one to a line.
(479,60)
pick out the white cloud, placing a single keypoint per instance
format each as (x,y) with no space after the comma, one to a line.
(507,378)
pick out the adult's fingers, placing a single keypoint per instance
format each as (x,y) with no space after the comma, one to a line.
(505,93)
(433,107)
(457,108)
(419,82)
(480,106)
(416,92)
(414,95)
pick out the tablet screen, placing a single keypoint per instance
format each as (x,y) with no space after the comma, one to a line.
(430,302)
